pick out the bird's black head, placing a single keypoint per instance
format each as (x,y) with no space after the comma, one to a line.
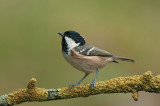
(71,39)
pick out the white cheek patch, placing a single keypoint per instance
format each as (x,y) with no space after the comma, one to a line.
(71,43)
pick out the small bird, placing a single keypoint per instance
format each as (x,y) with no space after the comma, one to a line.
(84,56)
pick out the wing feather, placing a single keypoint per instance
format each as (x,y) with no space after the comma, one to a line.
(89,50)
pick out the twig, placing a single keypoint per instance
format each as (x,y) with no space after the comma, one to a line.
(132,84)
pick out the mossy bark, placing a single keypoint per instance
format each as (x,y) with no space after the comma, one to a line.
(133,84)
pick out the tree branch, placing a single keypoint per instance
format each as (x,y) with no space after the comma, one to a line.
(133,84)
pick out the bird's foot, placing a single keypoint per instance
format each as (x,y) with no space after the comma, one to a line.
(92,85)
(72,85)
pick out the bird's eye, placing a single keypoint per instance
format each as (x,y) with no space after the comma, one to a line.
(70,35)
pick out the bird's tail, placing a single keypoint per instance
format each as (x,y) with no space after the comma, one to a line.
(123,59)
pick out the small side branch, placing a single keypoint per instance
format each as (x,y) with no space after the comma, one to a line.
(133,84)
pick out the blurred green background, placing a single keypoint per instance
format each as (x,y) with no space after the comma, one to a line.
(30,46)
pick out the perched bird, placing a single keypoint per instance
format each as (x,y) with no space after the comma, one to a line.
(84,56)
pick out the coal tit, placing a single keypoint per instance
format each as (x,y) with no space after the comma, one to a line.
(84,56)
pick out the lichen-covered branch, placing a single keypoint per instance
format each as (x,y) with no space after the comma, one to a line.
(133,84)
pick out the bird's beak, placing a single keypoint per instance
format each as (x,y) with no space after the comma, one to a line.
(60,33)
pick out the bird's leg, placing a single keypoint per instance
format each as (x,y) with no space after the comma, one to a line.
(94,81)
(79,81)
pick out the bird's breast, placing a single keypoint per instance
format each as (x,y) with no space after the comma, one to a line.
(83,63)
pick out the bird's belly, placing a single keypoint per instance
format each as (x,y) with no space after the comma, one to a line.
(86,64)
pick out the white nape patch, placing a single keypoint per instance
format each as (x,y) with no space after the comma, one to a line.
(90,50)
(71,43)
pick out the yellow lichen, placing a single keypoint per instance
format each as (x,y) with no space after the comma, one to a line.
(115,85)
(135,96)
(30,94)
(133,84)
(31,84)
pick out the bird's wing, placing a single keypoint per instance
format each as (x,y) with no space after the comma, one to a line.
(89,50)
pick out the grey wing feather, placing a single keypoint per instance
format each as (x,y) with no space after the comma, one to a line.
(100,52)
(89,50)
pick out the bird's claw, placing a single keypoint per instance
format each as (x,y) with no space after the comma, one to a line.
(92,85)
(72,85)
